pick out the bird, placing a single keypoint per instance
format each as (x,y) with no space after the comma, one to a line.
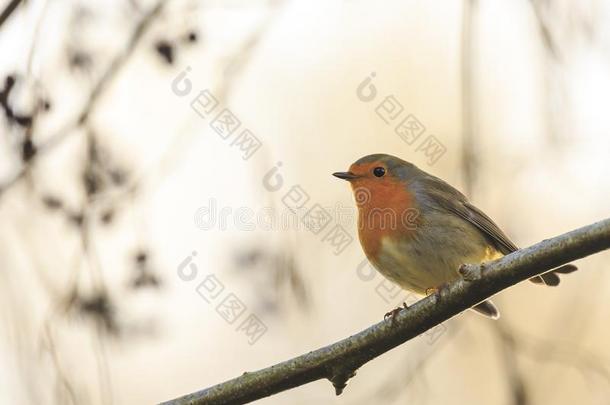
(417,230)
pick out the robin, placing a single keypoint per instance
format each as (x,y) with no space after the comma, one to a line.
(417,230)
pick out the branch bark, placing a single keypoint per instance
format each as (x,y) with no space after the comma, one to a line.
(338,362)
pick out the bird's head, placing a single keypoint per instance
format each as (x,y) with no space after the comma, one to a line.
(378,179)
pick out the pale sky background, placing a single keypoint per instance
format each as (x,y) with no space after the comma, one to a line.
(541,139)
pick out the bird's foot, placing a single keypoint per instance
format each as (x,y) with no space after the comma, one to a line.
(436,291)
(393,313)
(431,290)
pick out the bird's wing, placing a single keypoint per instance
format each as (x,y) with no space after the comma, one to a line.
(447,197)
(479,219)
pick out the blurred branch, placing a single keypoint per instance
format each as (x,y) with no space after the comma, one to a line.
(550,82)
(110,73)
(240,60)
(8,10)
(100,86)
(564,352)
(469,157)
(338,362)
(544,28)
(231,70)
(516,382)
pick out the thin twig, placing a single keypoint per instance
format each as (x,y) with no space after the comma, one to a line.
(518,391)
(469,156)
(338,362)
(100,86)
(8,10)
(108,76)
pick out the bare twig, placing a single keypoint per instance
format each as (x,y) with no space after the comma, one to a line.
(338,362)
(100,86)
(545,29)
(236,64)
(114,67)
(515,380)
(8,10)
(469,156)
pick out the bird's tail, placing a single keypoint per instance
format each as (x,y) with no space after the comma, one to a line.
(551,278)
(488,309)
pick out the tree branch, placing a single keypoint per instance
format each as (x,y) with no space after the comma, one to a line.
(469,158)
(10,7)
(338,362)
(100,86)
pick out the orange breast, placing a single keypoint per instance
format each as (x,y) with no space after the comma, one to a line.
(384,210)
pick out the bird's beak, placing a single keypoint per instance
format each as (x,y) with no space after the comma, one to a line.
(345,175)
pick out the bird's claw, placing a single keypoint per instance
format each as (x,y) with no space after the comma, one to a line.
(431,290)
(436,291)
(393,313)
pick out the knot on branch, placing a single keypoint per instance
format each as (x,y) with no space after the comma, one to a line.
(471,272)
(340,375)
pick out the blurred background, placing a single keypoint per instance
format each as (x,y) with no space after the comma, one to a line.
(168,219)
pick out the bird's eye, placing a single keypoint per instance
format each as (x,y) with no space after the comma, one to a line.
(379,171)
